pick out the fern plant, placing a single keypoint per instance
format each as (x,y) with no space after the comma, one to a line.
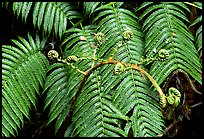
(103,76)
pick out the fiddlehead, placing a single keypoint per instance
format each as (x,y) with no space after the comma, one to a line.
(128,35)
(173,97)
(99,38)
(163,55)
(52,54)
(119,67)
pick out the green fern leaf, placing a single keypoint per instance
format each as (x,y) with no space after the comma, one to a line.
(128,86)
(22,8)
(23,70)
(10,116)
(165,29)
(198,35)
(13,105)
(56,87)
(7,123)
(17,8)
(94,109)
(5,4)
(66,80)
(89,7)
(60,12)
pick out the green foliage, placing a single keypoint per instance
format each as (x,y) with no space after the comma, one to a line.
(113,100)
(23,71)
(198,36)
(165,28)
(56,85)
(50,16)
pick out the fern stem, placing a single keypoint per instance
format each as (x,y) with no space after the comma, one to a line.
(188,78)
(150,78)
(78,23)
(193,5)
(111,61)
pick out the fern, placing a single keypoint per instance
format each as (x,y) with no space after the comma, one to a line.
(83,91)
(165,29)
(198,36)
(60,12)
(89,7)
(71,77)
(132,85)
(101,88)
(56,85)
(24,69)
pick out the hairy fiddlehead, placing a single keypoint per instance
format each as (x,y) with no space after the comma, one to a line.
(52,54)
(128,35)
(71,59)
(119,67)
(173,97)
(99,38)
(163,54)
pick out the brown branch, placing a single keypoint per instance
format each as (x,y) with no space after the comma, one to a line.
(109,61)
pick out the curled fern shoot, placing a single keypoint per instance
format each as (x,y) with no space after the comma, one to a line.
(174,96)
(163,54)
(99,38)
(52,54)
(128,35)
(119,67)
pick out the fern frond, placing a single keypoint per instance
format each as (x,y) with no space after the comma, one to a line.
(23,69)
(5,4)
(50,16)
(56,87)
(89,7)
(95,116)
(127,89)
(165,28)
(22,8)
(199,40)
(198,35)
(62,84)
